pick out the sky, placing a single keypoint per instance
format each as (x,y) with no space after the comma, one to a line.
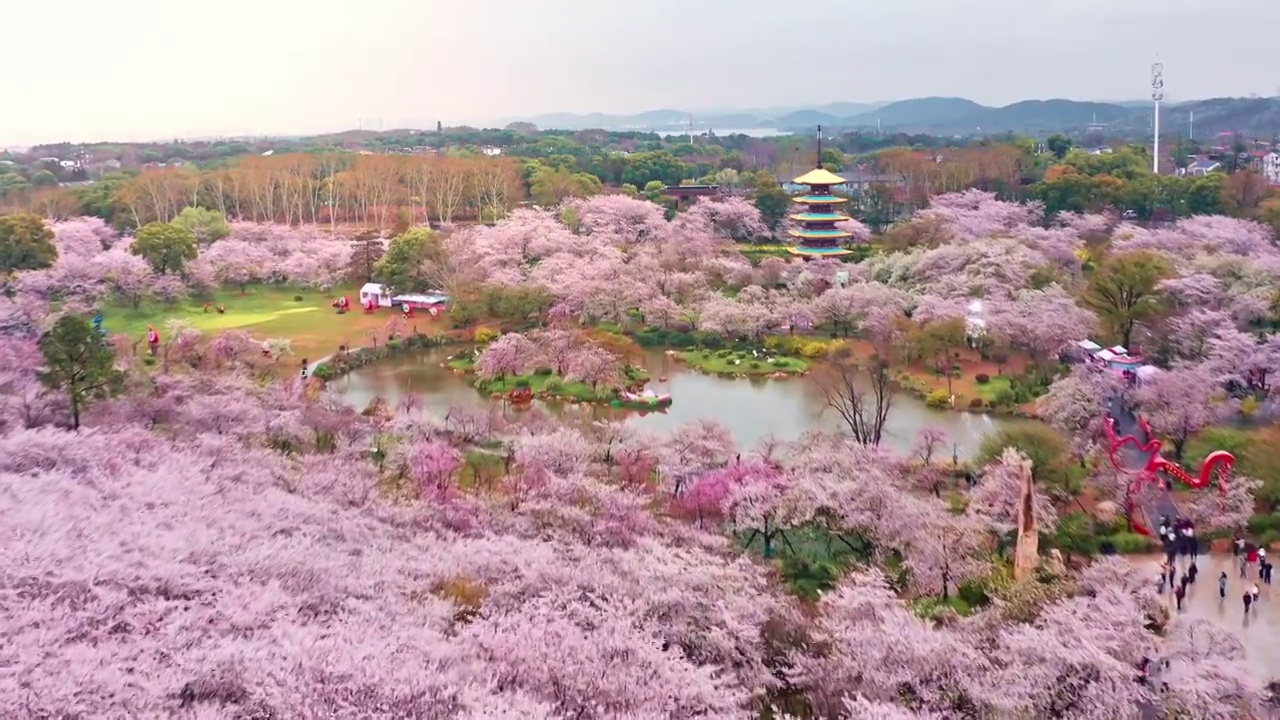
(86,70)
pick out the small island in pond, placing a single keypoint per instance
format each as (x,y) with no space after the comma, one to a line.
(551,364)
(743,362)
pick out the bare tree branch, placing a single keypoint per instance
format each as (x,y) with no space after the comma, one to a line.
(861,395)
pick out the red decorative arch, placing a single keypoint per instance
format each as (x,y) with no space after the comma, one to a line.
(1216,465)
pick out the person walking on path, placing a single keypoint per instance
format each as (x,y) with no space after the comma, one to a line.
(1248,600)
(1173,573)
(1179,594)
(1192,572)
(1237,545)
(1222,585)
(1265,571)
(1254,592)
(1244,566)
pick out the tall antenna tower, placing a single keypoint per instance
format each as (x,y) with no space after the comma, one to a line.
(1157,94)
(690,128)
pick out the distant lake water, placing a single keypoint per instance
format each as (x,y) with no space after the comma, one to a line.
(753,132)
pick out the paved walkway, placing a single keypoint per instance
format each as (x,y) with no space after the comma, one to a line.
(1259,632)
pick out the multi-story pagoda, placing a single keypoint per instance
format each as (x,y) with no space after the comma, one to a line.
(818,235)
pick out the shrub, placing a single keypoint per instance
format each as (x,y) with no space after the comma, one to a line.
(1263,524)
(937,399)
(323,371)
(1130,543)
(1004,396)
(297,298)
(1249,407)
(522,382)
(542,371)
(553,385)
(394,344)
(813,349)
(753,365)
(484,336)
(680,339)
(713,342)
(975,403)
(974,594)
(982,378)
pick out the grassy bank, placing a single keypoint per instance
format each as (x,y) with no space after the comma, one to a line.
(545,383)
(740,362)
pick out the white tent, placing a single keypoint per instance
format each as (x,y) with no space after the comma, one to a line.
(1088,346)
(1105,355)
(380,295)
(1119,350)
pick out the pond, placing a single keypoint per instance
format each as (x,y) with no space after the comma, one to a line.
(752,410)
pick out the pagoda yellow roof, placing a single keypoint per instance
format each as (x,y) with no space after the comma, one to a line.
(819,252)
(819,176)
(831,234)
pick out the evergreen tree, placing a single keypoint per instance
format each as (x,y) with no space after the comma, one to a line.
(79,361)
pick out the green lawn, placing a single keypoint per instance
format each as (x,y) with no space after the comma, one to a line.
(988,390)
(722,362)
(263,311)
(551,384)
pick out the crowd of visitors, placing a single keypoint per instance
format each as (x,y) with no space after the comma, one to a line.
(1180,569)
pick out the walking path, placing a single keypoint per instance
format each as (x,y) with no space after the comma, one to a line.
(1152,501)
(1258,631)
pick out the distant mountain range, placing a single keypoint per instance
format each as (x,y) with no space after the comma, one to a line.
(1255,117)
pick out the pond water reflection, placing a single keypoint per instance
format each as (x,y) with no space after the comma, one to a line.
(751,409)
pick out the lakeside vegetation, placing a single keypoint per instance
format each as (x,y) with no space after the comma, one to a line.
(543,382)
(731,363)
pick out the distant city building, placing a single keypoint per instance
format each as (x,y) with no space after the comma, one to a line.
(818,235)
(1271,167)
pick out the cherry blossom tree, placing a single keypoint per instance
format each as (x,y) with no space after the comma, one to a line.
(510,354)
(1179,403)
(432,464)
(1076,405)
(734,218)
(593,365)
(870,645)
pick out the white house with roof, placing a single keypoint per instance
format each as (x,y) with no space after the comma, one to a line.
(1203,166)
(1271,167)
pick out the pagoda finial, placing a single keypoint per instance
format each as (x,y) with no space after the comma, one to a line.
(819,147)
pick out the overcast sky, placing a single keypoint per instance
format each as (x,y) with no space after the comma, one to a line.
(146,69)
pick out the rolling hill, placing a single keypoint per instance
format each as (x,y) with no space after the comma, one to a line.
(1040,116)
(1255,117)
(920,113)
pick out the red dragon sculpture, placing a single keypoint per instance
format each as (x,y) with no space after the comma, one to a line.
(1217,463)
